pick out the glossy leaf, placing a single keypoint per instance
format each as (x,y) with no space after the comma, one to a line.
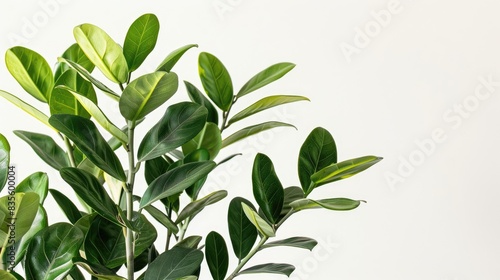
(162,218)
(91,191)
(146,93)
(172,58)
(98,271)
(291,194)
(51,251)
(216,80)
(37,114)
(154,168)
(274,268)
(37,182)
(105,53)
(343,170)
(181,122)
(317,152)
(76,54)
(197,97)
(260,224)
(4,161)
(63,102)
(140,40)
(145,258)
(251,130)
(266,76)
(46,148)
(267,188)
(196,156)
(26,208)
(69,209)
(337,204)
(209,139)
(264,104)
(241,231)
(195,207)
(176,181)
(190,242)
(298,242)
(87,138)
(31,71)
(217,255)
(115,187)
(175,263)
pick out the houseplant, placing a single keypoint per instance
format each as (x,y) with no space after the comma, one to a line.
(177,155)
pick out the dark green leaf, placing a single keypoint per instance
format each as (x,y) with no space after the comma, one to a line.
(298,242)
(291,194)
(337,204)
(174,264)
(26,107)
(267,188)
(217,255)
(260,224)
(97,271)
(140,40)
(196,156)
(31,71)
(274,268)
(76,54)
(242,232)
(4,160)
(69,209)
(216,80)
(75,274)
(87,138)
(266,76)
(37,182)
(195,207)
(172,58)
(145,258)
(197,97)
(162,218)
(46,148)
(251,130)
(190,242)
(26,208)
(209,139)
(317,152)
(52,250)
(181,123)
(154,168)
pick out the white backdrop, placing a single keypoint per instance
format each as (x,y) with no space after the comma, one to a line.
(416,82)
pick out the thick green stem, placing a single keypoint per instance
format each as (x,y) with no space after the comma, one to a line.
(69,147)
(182,231)
(247,258)
(129,236)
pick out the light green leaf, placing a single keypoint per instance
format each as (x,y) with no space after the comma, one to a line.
(31,71)
(146,93)
(26,107)
(209,139)
(63,102)
(175,263)
(266,76)
(6,275)
(4,160)
(190,242)
(105,53)
(260,224)
(217,255)
(75,54)
(251,130)
(37,182)
(216,80)
(267,188)
(274,268)
(337,204)
(298,242)
(98,271)
(24,212)
(140,40)
(115,187)
(195,207)
(241,231)
(46,148)
(198,97)
(172,58)
(69,209)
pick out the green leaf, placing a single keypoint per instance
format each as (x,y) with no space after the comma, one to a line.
(146,93)
(87,138)
(154,168)
(216,80)
(63,102)
(4,275)
(291,194)
(196,156)
(274,268)
(140,40)
(115,187)
(105,242)
(260,224)
(337,204)
(217,256)
(172,58)
(343,170)
(145,258)
(4,160)
(76,54)
(175,263)
(31,71)
(69,209)
(251,130)
(266,76)
(181,122)
(105,53)
(176,181)
(264,104)
(209,139)
(267,188)
(195,207)
(162,218)
(75,274)
(46,148)
(190,242)
(98,115)
(317,152)
(51,251)
(197,97)
(26,208)
(241,231)
(26,107)
(298,242)
(91,191)
(98,271)
(37,182)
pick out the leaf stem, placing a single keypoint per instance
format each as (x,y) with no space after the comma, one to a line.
(247,258)
(129,236)
(184,227)
(225,115)
(69,147)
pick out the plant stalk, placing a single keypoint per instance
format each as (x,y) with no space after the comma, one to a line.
(69,147)
(225,116)
(247,258)
(129,236)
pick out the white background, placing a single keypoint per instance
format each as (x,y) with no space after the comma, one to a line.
(437,217)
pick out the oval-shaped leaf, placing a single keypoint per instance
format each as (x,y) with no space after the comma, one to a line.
(241,231)
(75,54)
(274,268)
(37,182)
(337,204)
(6,275)
(264,104)
(31,71)
(140,40)
(52,250)
(217,255)
(46,148)
(69,209)
(209,139)
(105,53)
(251,130)
(24,212)
(298,242)
(216,80)
(176,181)
(154,168)
(63,102)
(181,123)
(191,242)
(197,97)
(162,218)
(98,271)
(267,188)
(317,152)
(87,138)
(195,207)
(175,263)
(291,194)
(172,58)
(26,107)
(146,93)
(266,76)
(260,224)
(4,160)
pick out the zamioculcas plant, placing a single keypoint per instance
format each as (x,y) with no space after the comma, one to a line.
(110,232)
